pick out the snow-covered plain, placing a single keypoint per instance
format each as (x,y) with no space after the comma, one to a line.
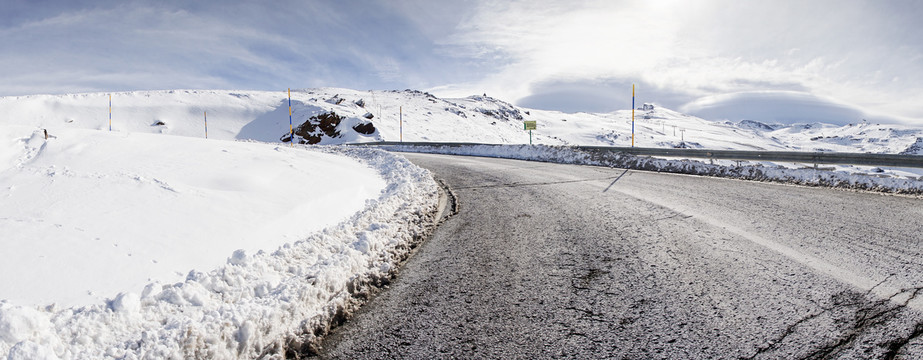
(157,206)
(128,244)
(131,243)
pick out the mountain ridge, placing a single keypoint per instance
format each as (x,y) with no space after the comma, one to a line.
(413,115)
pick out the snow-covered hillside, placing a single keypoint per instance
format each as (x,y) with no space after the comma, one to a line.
(417,116)
(128,244)
(150,240)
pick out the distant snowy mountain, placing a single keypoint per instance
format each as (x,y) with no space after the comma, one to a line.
(363,116)
(785,107)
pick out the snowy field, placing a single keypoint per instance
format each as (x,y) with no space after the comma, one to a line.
(137,200)
(151,241)
(135,245)
(418,116)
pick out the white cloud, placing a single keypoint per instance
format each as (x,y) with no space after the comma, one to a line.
(99,49)
(704,48)
(865,53)
(231,44)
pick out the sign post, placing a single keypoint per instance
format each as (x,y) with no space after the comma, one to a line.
(529,125)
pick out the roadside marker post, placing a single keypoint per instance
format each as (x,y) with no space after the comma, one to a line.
(291,129)
(632,115)
(110,112)
(205,114)
(400,113)
(529,125)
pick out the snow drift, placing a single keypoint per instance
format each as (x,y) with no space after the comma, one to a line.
(133,245)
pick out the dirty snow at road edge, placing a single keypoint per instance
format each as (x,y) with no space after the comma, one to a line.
(760,171)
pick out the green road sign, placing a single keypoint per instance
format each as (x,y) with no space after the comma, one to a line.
(528,125)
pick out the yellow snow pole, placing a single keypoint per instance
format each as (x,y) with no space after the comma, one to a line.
(291,129)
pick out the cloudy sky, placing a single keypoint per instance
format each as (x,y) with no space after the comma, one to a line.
(782,60)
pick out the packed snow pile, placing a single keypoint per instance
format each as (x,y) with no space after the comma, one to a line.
(729,169)
(138,200)
(133,245)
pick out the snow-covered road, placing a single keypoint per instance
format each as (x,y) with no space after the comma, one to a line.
(550,260)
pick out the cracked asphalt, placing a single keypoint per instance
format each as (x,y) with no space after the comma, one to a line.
(564,261)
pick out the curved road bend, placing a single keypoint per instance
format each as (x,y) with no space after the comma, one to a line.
(548,260)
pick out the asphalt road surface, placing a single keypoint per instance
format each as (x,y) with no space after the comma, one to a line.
(563,261)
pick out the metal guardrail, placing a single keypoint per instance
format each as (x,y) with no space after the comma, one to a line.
(814,157)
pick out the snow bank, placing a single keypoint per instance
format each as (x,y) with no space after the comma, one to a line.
(258,303)
(85,203)
(747,170)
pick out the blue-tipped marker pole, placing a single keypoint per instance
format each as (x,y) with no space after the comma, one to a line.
(632,115)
